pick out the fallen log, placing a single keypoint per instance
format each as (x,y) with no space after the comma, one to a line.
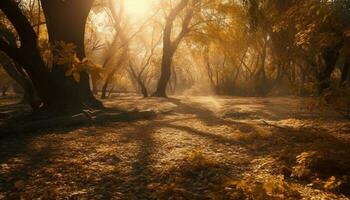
(85,118)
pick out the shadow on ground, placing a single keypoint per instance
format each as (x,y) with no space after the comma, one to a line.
(190,153)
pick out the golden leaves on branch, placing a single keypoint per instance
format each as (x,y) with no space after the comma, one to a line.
(65,54)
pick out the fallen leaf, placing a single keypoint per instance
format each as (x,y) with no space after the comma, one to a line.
(19,184)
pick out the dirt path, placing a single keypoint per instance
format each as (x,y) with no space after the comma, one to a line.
(195,149)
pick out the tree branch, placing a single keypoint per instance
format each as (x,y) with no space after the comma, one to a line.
(185,29)
(170,20)
(11,51)
(20,22)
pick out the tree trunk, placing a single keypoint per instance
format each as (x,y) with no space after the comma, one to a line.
(66,24)
(330,57)
(165,73)
(28,55)
(107,81)
(57,92)
(345,73)
(138,79)
(112,73)
(112,52)
(143,89)
(169,46)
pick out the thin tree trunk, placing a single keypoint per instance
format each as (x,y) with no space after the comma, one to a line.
(169,46)
(165,73)
(330,57)
(105,85)
(345,73)
(139,81)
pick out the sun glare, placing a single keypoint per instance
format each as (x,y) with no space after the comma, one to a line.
(138,9)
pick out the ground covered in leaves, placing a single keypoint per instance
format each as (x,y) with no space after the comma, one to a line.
(196,148)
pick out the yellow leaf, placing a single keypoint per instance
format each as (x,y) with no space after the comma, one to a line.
(76,59)
(330,183)
(85,60)
(69,72)
(19,184)
(76,76)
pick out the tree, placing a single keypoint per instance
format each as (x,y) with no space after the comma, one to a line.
(20,77)
(169,45)
(138,69)
(320,31)
(114,47)
(123,46)
(16,72)
(65,23)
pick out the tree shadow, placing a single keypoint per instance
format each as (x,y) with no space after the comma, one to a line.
(20,160)
(143,180)
(198,176)
(204,114)
(142,166)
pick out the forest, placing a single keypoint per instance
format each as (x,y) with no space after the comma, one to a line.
(175,99)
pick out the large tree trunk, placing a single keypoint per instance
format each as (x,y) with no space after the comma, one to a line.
(28,55)
(66,22)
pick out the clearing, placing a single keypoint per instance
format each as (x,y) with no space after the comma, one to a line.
(196,148)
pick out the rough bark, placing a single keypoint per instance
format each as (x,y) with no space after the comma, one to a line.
(28,55)
(66,22)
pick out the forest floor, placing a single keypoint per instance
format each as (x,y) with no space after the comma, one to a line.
(196,148)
